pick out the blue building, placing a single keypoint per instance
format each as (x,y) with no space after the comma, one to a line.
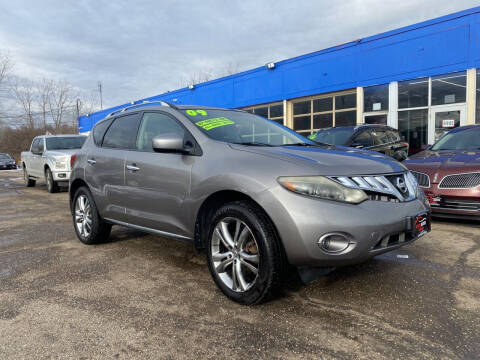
(421,79)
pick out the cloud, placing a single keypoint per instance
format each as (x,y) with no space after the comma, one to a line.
(142,48)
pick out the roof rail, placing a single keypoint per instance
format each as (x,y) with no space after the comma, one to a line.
(133,105)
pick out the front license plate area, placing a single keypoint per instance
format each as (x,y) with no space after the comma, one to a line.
(421,224)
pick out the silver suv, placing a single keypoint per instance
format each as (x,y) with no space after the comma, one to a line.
(252,194)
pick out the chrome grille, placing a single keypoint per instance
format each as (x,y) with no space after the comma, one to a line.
(423,179)
(460,181)
(399,186)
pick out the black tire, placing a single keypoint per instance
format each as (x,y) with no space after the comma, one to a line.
(28,182)
(52,185)
(100,230)
(272,261)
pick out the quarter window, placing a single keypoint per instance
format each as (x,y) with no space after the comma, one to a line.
(155,124)
(99,131)
(121,134)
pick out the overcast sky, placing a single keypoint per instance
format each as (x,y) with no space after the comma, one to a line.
(142,48)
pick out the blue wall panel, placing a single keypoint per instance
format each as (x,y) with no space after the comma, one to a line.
(446,44)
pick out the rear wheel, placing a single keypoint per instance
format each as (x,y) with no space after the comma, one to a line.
(52,185)
(89,226)
(28,182)
(244,255)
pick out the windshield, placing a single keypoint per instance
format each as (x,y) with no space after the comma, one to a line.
(337,136)
(242,128)
(5,157)
(65,142)
(460,140)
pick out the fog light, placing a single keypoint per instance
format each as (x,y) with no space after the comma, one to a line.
(62,175)
(333,242)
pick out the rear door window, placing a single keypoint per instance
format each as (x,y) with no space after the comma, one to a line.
(122,133)
(364,139)
(154,124)
(380,137)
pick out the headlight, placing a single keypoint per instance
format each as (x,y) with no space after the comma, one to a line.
(60,164)
(322,187)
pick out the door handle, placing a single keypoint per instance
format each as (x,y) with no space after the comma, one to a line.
(91,161)
(132,167)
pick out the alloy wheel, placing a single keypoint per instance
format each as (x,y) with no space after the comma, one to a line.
(83,216)
(235,254)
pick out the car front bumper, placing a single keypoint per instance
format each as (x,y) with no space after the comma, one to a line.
(459,203)
(61,175)
(374,227)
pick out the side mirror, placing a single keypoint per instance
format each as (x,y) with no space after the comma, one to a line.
(170,142)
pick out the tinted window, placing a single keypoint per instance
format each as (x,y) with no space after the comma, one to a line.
(322,120)
(121,134)
(99,131)
(301,123)
(364,138)
(393,135)
(375,98)
(154,124)
(449,89)
(413,93)
(345,101)
(376,119)
(262,111)
(412,125)
(325,104)
(345,118)
(333,136)
(65,142)
(301,107)
(380,137)
(276,110)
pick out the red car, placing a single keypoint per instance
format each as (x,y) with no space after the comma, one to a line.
(449,173)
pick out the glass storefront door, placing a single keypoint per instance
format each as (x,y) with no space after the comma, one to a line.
(443,119)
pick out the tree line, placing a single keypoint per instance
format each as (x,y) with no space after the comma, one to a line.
(29,108)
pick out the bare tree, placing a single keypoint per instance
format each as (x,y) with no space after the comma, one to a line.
(44,91)
(5,66)
(24,92)
(62,98)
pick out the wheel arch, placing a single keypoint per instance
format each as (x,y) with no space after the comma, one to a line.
(211,204)
(74,186)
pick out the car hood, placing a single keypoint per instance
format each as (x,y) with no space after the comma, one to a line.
(66,152)
(441,163)
(331,160)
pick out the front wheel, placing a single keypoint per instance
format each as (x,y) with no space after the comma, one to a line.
(89,226)
(244,254)
(52,185)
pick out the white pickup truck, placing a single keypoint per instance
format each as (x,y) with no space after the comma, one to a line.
(49,159)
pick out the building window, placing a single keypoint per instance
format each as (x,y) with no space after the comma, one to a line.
(412,125)
(449,88)
(272,111)
(375,98)
(325,111)
(375,104)
(477,113)
(413,93)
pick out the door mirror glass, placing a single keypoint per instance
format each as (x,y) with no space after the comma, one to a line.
(169,142)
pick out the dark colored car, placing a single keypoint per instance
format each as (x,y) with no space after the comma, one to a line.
(380,138)
(7,162)
(449,173)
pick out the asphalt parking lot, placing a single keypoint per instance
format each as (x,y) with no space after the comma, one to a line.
(141,296)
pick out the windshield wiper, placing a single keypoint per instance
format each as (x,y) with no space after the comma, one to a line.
(252,143)
(303,144)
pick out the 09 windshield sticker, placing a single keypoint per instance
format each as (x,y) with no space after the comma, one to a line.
(213,123)
(196,112)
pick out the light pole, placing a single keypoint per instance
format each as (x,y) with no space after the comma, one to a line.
(100,91)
